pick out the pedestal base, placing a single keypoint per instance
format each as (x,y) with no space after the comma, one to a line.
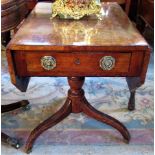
(75,103)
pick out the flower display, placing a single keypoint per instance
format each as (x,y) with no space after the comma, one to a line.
(75,9)
(79,3)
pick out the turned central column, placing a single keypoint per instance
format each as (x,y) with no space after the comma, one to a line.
(76,103)
(76,93)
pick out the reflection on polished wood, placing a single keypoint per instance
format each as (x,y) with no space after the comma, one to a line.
(78,48)
(38,32)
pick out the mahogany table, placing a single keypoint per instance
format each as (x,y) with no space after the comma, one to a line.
(77,49)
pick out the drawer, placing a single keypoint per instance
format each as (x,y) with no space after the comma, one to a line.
(72,64)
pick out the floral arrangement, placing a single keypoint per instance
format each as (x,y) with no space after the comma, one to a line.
(78,3)
(75,9)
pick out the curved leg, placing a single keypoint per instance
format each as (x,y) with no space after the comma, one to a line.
(92,112)
(51,121)
(76,103)
(133,84)
(13,106)
(131,104)
(9,107)
(9,140)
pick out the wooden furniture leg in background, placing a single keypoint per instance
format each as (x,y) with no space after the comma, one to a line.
(133,84)
(131,103)
(75,103)
(6,108)
(5,38)
(10,140)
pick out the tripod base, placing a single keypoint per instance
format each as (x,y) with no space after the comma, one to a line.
(75,103)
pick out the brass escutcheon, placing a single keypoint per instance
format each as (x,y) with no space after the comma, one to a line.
(77,61)
(107,62)
(48,62)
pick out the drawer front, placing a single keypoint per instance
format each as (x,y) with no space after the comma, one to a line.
(72,64)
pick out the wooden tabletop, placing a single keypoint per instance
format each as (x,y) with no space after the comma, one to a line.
(39,32)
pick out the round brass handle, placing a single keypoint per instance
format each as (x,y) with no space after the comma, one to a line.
(48,62)
(107,63)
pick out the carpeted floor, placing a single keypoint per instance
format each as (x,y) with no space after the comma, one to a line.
(78,134)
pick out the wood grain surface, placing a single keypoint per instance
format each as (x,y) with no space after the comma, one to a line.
(115,30)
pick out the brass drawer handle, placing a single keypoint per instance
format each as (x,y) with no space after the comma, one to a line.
(48,62)
(107,63)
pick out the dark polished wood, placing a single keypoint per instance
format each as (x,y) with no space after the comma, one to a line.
(13,106)
(146,11)
(9,107)
(77,47)
(31,4)
(51,121)
(87,61)
(75,103)
(12,13)
(145,19)
(114,33)
(10,140)
(133,84)
(21,82)
(5,38)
